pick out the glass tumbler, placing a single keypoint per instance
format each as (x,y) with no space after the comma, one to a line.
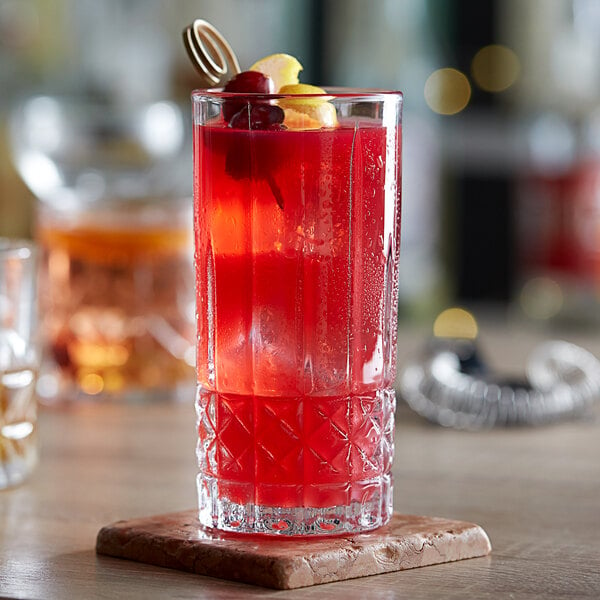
(18,361)
(297,234)
(114,229)
(116,301)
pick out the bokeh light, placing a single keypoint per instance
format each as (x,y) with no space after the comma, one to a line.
(495,68)
(447,91)
(91,383)
(541,298)
(455,323)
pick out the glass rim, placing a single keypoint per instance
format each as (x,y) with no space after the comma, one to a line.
(331,93)
(16,248)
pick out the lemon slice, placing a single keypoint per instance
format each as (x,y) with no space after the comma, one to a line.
(283,69)
(303,88)
(294,119)
(307,113)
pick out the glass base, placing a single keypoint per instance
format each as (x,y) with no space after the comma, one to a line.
(303,465)
(225,515)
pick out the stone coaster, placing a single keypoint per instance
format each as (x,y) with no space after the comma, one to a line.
(177,541)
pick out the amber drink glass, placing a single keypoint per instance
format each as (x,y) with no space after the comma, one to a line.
(113,224)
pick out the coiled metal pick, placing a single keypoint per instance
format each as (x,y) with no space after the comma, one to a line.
(210,53)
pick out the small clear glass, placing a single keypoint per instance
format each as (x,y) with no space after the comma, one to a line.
(19,358)
(297,232)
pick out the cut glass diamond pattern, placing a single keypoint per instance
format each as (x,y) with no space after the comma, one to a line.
(279,447)
(319,460)
(235,437)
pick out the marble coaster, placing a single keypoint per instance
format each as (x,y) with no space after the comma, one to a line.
(177,541)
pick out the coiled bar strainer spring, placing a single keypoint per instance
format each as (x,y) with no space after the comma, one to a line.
(452,387)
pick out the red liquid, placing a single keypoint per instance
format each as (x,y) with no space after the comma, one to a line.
(296,258)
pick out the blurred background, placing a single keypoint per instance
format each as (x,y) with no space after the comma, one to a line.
(501,190)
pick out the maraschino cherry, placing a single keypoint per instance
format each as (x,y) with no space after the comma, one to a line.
(242,114)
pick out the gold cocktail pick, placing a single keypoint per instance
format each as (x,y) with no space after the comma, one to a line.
(210,53)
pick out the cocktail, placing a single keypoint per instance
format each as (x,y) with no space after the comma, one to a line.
(297,225)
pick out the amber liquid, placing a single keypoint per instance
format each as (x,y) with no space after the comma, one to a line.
(116,302)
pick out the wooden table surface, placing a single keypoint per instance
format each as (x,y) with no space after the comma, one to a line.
(535,491)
